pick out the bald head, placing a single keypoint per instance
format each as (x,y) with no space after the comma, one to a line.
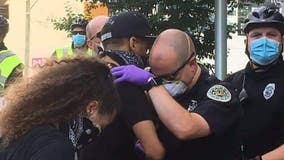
(93,28)
(172,57)
(178,45)
(96,25)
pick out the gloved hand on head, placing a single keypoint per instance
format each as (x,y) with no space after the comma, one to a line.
(131,73)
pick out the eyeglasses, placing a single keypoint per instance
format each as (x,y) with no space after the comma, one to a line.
(98,35)
(171,76)
(78,32)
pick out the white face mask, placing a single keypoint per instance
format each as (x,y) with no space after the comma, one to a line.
(175,88)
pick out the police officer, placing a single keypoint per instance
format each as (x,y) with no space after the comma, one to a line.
(79,41)
(260,85)
(11,66)
(199,114)
(93,29)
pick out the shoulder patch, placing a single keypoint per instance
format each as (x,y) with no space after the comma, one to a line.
(219,93)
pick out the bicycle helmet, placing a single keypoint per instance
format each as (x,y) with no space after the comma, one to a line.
(265,16)
(4,24)
(79,22)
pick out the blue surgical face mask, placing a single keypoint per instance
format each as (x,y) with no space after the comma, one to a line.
(175,88)
(264,51)
(79,40)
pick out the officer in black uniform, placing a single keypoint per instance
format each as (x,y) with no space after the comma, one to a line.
(199,113)
(260,86)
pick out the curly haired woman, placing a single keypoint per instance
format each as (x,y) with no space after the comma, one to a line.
(59,92)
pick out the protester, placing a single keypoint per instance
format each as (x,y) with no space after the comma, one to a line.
(60,91)
(260,85)
(84,36)
(125,38)
(93,29)
(200,114)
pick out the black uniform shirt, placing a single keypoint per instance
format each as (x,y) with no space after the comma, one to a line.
(41,143)
(222,117)
(262,125)
(117,141)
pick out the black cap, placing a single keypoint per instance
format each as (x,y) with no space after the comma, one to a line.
(125,25)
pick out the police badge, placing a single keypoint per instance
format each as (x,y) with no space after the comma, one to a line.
(269,91)
(219,93)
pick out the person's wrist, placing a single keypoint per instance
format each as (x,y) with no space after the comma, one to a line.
(152,82)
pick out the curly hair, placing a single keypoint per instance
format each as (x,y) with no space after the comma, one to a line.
(57,93)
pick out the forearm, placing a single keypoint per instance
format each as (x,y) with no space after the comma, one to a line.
(276,154)
(145,131)
(179,121)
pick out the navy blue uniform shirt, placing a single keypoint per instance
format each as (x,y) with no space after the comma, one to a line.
(262,101)
(222,117)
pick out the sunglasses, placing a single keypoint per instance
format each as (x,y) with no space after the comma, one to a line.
(171,76)
(98,35)
(78,32)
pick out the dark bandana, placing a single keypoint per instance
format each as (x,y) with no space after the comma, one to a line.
(125,58)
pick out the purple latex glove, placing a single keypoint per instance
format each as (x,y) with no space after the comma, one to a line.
(131,73)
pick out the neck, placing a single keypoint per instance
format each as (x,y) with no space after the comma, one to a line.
(195,77)
(257,68)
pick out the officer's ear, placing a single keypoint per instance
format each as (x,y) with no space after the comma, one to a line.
(90,44)
(246,44)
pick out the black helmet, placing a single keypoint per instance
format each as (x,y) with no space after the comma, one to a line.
(4,24)
(79,22)
(265,16)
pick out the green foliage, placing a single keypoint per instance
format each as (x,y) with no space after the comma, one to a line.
(64,23)
(196,17)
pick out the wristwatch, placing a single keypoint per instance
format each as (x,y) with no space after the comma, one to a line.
(153,82)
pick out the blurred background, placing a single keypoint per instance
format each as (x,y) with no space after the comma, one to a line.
(50,20)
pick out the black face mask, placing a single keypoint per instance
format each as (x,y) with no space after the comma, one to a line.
(88,135)
(124,58)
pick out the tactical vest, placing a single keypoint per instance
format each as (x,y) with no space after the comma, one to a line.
(68,52)
(8,62)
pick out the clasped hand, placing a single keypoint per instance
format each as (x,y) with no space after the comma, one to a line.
(131,73)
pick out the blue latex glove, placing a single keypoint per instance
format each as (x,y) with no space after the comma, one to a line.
(131,73)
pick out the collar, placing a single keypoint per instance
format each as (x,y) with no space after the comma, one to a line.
(270,70)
